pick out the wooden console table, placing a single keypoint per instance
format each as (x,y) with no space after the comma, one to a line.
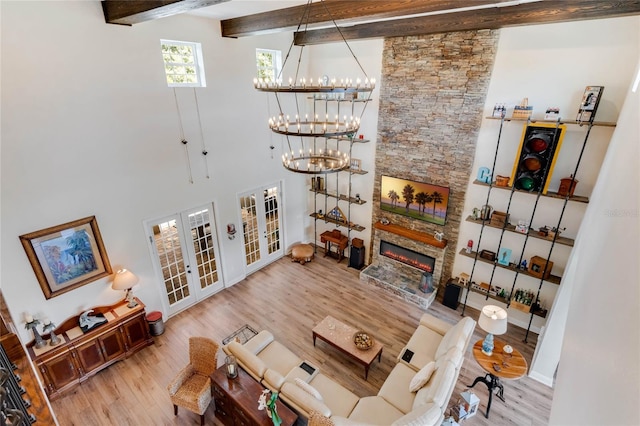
(331,237)
(80,355)
(236,401)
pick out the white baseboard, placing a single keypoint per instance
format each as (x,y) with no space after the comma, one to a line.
(541,378)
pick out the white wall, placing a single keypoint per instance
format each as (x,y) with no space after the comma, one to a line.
(550,65)
(599,369)
(89,127)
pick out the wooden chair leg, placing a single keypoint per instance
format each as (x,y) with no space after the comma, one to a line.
(201,419)
(175,410)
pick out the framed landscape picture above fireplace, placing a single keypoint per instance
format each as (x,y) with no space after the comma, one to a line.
(422,201)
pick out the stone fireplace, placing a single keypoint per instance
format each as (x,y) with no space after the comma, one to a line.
(432,98)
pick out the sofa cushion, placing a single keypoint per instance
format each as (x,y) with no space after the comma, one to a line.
(279,358)
(301,401)
(248,360)
(272,379)
(423,343)
(259,341)
(374,410)
(395,389)
(308,388)
(436,324)
(425,415)
(422,377)
(454,356)
(338,398)
(437,390)
(457,336)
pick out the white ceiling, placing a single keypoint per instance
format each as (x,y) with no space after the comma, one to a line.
(235,8)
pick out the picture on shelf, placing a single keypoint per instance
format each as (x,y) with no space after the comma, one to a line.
(504,256)
(422,201)
(589,103)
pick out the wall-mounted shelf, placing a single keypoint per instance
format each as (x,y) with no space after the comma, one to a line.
(353,226)
(595,123)
(550,194)
(342,197)
(411,234)
(552,278)
(532,233)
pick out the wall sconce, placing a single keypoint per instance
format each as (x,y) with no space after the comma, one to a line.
(231,231)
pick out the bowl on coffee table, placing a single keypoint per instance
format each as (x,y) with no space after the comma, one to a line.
(363,340)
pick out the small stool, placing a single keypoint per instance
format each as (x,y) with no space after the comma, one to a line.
(301,253)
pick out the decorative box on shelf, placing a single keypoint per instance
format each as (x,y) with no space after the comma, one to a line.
(537,267)
(499,218)
(520,306)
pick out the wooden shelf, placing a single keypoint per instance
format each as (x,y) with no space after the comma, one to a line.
(342,197)
(595,123)
(411,234)
(553,279)
(510,304)
(353,226)
(576,198)
(532,233)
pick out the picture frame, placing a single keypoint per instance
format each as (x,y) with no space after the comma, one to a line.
(67,256)
(417,200)
(504,256)
(589,104)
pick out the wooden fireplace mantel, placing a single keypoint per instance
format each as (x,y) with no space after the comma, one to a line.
(411,234)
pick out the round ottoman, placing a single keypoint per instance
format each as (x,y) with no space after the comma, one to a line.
(302,253)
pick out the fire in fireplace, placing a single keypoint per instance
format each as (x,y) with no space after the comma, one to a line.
(406,256)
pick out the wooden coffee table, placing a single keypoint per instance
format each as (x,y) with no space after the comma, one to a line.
(498,365)
(236,401)
(340,336)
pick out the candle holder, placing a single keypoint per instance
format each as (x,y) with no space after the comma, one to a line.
(231,366)
(53,338)
(33,326)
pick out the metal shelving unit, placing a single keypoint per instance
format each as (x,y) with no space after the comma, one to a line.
(534,309)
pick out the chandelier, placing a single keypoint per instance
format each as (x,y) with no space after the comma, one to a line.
(318,120)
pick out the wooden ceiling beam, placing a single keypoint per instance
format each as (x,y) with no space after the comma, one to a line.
(342,11)
(543,12)
(126,12)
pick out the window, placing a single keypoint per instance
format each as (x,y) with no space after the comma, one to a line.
(269,63)
(183,63)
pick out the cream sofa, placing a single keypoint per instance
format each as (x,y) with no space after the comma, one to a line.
(434,353)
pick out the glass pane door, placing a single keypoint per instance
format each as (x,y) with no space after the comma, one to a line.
(261,225)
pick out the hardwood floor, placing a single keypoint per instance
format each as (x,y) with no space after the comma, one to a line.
(289,299)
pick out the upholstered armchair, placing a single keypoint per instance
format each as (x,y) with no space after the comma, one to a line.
(191,389)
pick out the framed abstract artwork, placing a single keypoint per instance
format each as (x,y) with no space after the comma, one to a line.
(67,256)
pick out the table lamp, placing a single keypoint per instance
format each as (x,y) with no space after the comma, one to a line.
(493,320)
(125,280)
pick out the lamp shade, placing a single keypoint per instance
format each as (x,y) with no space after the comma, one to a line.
(124,280)
(493,320)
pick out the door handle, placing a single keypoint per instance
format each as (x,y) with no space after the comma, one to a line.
(188,269)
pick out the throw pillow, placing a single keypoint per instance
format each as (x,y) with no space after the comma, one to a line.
(308,388)
(422,377)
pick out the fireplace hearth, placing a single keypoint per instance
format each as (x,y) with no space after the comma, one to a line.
(399,264)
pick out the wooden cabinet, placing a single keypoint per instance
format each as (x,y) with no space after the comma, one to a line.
(80,355)
(236,401)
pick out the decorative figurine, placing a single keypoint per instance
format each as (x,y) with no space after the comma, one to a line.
(484,175)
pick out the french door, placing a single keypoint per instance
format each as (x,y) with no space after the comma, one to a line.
(261,226)
(185,251)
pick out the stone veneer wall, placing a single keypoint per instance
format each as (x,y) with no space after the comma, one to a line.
(432,97)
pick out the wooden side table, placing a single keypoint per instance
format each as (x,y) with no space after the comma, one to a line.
(498,365)
(334,237)
(236,401)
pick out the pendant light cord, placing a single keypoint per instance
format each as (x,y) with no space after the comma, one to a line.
(182,138)
(204,148)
